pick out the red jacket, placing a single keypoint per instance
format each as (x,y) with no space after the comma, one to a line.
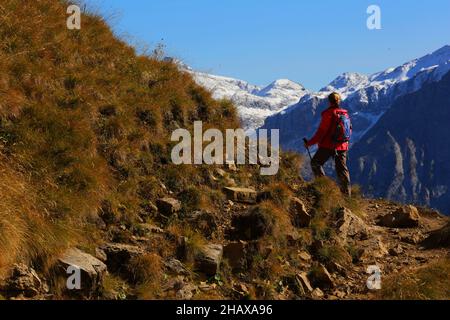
(324,134)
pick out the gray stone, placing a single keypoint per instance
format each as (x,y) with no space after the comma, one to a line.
(302,278)
(24,281)
(403,217)
(176,267)
(168,206)
(208,259)
(92,269)
(350,225)
(244,195)
(119,255)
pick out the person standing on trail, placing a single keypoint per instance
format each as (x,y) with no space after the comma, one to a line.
(333,137)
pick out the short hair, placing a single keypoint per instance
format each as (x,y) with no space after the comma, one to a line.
(335,99)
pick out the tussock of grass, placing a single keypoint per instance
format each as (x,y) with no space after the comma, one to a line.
(114,288)
(146,269)
(330,198)
(333,253)
(427,283)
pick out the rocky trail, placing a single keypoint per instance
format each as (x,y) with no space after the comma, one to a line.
(383,234)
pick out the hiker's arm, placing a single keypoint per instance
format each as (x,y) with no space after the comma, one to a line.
(322,131)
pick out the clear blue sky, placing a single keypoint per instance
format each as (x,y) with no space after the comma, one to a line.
(310,42)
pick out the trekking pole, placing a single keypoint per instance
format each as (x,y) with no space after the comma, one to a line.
(307,148)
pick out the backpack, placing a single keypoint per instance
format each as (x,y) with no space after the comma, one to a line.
(343,130)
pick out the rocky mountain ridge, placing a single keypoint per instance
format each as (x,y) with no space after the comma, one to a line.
(367,98)
(404,156)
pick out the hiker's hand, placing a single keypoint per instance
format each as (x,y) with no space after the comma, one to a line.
(305,141)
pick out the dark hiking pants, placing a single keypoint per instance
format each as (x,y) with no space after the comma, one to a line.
(340,160)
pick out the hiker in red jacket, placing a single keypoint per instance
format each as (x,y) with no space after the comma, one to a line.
(333,138)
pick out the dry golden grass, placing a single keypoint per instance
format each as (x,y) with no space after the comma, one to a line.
(27,232)
(146,268)
(431,282)
(84,119)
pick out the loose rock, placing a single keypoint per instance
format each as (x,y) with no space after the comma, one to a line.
(317,294)
(301,218)
(243,195)
(24,281)
(168,206)
(350,225)
(209,258)
(302,278)
(322,278)
(92,270)
(403,217)
(119,255)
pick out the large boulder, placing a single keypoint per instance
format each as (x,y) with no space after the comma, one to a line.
(24,281)
(404,217)
(244,195)
(92,270)
(208,259)
(168,206)
(300,216)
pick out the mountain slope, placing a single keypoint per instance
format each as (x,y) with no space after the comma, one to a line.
(85,127)
(367,98)
(86,181)
(405,156)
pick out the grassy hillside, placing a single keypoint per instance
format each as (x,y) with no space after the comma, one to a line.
(84,121)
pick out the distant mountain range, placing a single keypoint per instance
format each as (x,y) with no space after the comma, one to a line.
(393,154)
(254,103)
(406,155)
(366,97)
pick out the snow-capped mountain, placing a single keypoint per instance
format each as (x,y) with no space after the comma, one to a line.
(405,156)
(366,97)
(254,103)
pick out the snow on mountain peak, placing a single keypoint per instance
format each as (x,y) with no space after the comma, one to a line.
(439,60)
(366,97)
(282,84)
(283,89)
(347,80)
(254,103)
